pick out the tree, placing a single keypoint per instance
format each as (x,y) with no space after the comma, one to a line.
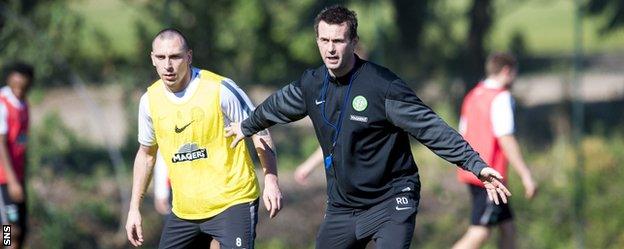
(614,9)
(252,41)
(41,33)
(481,20)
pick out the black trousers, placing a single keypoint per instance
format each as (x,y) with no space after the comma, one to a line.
(390,224)
(485,212)
(16,213)
(233,228)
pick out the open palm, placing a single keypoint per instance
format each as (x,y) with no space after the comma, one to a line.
(494,185)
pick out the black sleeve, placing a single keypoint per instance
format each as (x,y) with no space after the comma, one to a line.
(405,110)
(284,106)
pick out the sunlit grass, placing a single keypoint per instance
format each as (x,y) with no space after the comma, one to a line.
(116,20)
(546,26)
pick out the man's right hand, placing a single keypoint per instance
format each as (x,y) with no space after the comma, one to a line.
(234,130)
(16,192)
(134,231)
(271,195)
(530,187)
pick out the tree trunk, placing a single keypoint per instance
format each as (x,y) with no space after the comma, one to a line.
(475,55)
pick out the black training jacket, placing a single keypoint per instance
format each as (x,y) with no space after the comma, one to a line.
(372,151)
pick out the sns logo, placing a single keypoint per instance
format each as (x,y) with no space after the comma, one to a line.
(6,235)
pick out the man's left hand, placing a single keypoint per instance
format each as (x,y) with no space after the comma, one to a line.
(494,185)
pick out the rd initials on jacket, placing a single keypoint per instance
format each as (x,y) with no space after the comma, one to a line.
(402,201)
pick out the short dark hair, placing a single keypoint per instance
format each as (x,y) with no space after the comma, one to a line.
(170,33)
(338,14)
(497,61)
(21,68)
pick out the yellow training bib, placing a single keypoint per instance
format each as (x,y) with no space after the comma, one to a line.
(206,175)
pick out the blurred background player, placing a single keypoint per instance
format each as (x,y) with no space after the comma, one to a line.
(487,123)
(14,136)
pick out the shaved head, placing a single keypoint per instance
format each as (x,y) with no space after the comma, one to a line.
(171,33)
(172,57)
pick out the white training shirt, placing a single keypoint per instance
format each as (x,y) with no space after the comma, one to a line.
(161,188)
(235,105)
(4,112)
(501,112)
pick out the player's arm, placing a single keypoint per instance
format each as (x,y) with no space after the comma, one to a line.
(236,107)
(142,174)
(143,168)
(406,111)
(303,170)
(514,155)
(16,192)
(284,106)
(272,196)
(142,171)
(503,126)
(161,188)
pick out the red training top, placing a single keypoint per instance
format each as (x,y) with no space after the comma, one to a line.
(476,112)
(16,138)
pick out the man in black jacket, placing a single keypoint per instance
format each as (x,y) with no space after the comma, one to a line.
(362,114)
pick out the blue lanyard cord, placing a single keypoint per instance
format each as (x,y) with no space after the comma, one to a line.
(324,97)
(338,125)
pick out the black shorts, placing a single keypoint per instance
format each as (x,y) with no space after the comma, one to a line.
(14,213)
(390,224)
(233,228)
(486,212)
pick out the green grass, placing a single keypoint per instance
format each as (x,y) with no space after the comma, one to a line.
(548,27)
(116,20)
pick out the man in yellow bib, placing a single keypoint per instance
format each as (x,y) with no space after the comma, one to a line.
(214,187)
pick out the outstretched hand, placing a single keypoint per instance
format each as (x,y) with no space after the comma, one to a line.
(234,130)
(494,185)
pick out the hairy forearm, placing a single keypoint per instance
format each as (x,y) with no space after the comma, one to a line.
(266,152)
(143,168)
(514,155)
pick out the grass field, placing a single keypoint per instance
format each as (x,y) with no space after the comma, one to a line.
(547,26)
(116,20)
